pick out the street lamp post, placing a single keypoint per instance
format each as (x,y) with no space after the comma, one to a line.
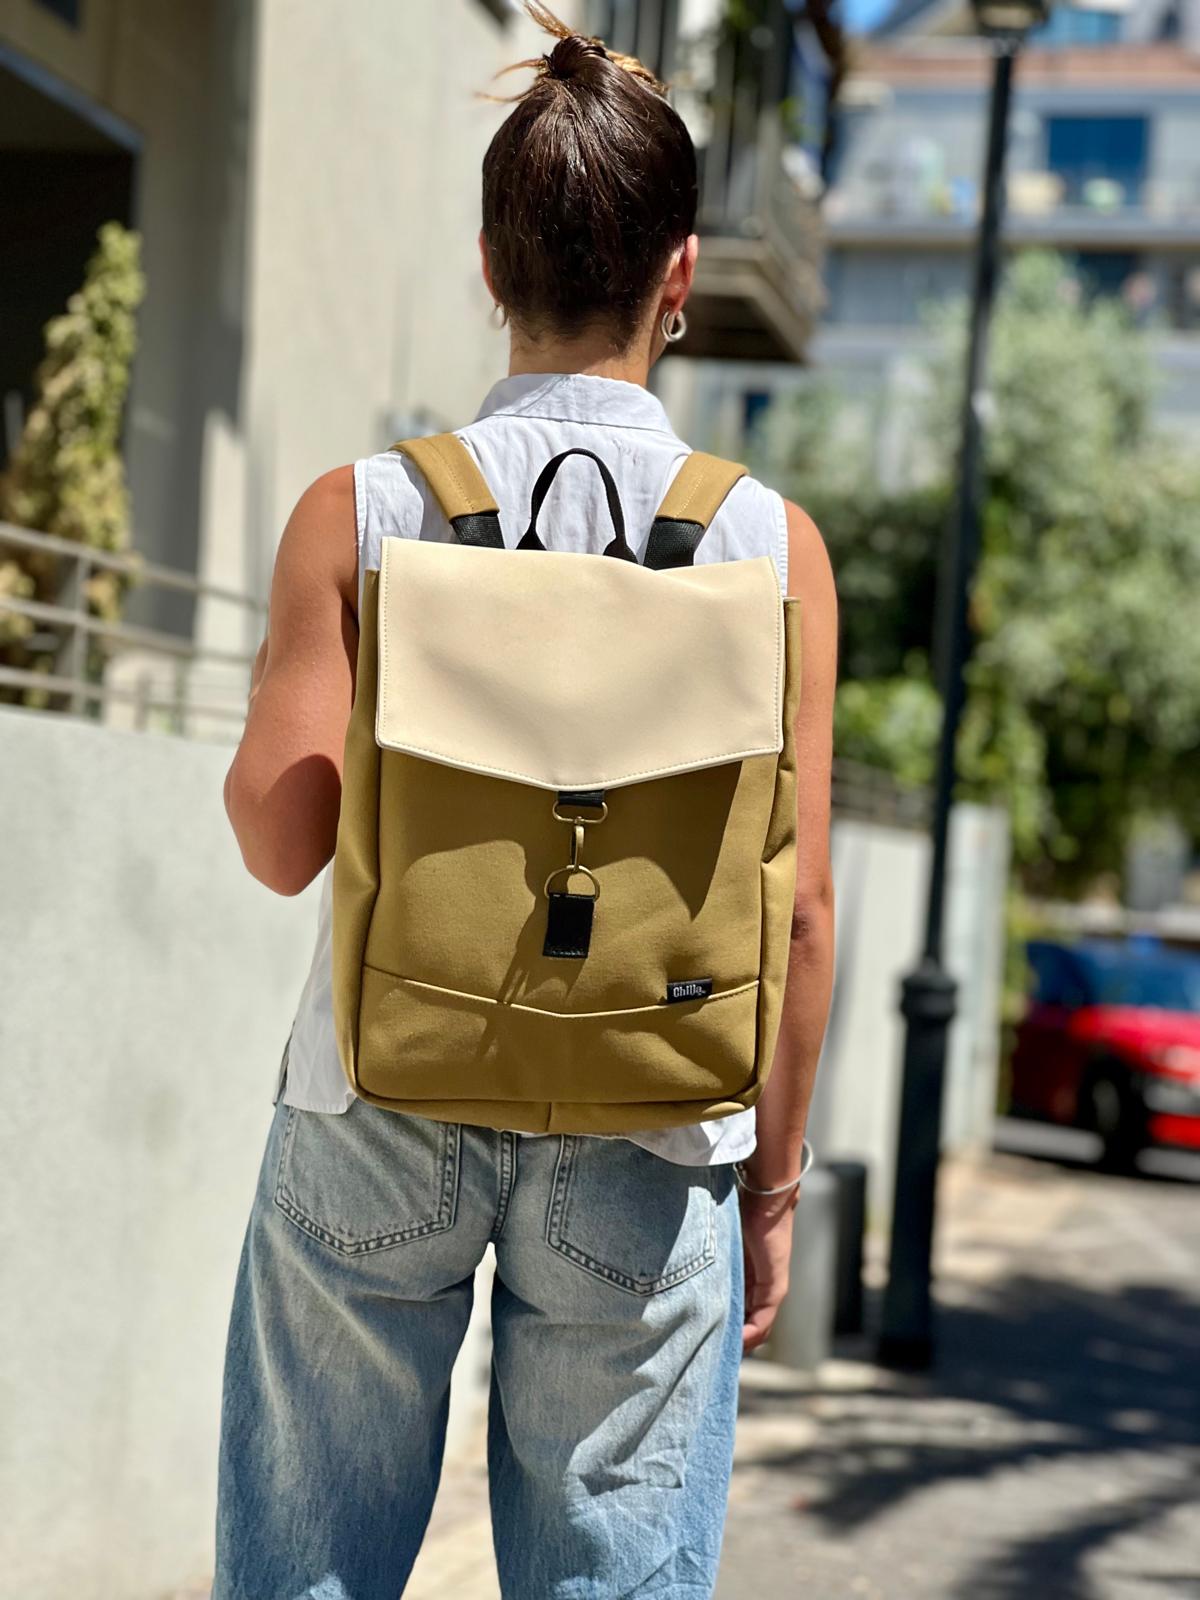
(929,993)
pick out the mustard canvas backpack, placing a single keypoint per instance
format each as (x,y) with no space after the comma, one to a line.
(565,866)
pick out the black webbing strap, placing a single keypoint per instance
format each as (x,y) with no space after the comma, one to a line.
(481,528)
(673,543)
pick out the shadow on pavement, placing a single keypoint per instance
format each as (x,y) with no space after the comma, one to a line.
(1031,1371)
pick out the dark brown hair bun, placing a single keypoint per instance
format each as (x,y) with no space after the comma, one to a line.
(589,186)
(570,55)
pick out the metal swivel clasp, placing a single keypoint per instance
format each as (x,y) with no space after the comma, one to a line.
(577,821)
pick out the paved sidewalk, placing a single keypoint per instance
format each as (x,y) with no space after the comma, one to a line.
(1055,1450)
(1054,1453)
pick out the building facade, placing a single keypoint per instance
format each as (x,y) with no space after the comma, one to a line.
(1103,166)
(305,178)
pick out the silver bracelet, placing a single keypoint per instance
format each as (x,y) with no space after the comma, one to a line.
(806,1161)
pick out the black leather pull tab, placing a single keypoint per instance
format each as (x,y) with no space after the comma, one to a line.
(569,925)
(581,799)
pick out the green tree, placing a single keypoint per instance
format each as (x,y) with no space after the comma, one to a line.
(67,475)
(1084,691)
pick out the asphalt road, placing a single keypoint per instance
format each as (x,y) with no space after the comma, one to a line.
(1054,1449)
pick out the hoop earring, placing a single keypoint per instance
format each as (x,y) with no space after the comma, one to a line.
(502,320)
(674,326)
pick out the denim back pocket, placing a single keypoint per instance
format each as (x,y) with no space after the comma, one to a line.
(630,1217)
(368,1179)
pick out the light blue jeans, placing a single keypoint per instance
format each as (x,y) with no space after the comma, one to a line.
(617,1328)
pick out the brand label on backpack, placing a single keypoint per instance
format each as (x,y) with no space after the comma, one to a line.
(689,989)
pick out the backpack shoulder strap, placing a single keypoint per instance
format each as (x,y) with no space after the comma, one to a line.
(693,500)
(461,489)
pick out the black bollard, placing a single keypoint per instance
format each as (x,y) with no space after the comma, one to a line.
(851,1203)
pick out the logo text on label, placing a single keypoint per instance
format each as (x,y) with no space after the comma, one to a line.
(689,989)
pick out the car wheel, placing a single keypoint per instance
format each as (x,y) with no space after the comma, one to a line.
(1115,1112)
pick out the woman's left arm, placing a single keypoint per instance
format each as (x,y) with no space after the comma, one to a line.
(283,791)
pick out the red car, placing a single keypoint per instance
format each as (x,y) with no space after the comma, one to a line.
(1111,1042)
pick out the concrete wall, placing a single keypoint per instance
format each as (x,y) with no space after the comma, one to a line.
(146,989)
(880,876)
(147,986)
(974,948)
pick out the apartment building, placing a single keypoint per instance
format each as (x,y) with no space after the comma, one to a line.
(1103,166)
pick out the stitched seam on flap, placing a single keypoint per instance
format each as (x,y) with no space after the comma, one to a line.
(721,759)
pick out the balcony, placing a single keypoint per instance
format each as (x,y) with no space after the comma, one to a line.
(888,207)
(758,291)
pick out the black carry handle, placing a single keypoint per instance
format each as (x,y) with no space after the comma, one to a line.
(619,546)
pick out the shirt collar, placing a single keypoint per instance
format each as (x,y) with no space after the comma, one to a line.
(576,397)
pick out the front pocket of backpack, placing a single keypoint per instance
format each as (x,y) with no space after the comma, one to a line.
(629,1217)
(368,1180)
(418,1041)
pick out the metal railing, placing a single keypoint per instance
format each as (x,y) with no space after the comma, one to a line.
(892,193)
(747,192)
(871,794)
(85,648)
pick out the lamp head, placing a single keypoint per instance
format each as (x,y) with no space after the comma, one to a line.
(1009,19)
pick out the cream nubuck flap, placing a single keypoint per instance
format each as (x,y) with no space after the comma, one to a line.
(568,672)
(573,672)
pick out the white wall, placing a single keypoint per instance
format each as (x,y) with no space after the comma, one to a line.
(880,876)
(977,893)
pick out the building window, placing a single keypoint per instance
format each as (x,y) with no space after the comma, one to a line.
(1102,161)
(1068,26)
(1109,274)
(755,405)
(1183,296)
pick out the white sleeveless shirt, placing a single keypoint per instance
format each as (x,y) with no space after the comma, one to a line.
(523,422)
